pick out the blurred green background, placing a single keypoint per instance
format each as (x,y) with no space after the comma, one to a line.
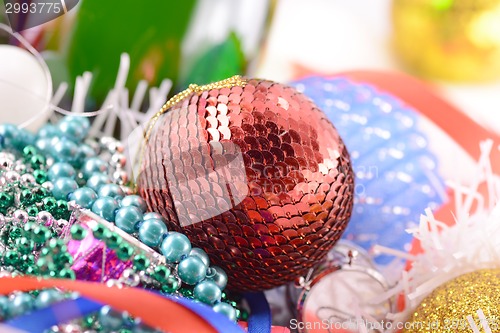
(93,35)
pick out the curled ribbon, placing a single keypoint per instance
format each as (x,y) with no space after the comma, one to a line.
(167,314)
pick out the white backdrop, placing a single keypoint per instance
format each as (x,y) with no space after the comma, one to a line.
(337,35)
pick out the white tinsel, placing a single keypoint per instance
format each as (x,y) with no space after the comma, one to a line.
(471,244)
(116,105)
(116,108)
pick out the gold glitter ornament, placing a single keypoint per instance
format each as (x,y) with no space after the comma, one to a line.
(458,305)
(449,39)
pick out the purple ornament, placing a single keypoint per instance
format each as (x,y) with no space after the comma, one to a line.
(92,259)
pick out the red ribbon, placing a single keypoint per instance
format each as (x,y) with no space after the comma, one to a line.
(154,310)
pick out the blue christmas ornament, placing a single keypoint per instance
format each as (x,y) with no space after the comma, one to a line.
(396,174)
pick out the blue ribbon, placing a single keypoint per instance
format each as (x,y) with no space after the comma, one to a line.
(65,311)
(260,313)
(58,313)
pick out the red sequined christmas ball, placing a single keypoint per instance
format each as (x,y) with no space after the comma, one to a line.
(253,173)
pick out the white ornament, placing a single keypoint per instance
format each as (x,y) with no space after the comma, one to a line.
(25,89)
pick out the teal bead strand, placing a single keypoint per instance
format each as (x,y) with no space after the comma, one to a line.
(111,190)
(136,201)
(93,165)
(175,247)
(111,320)
(225,309)
(48,297)
(196,251)
(63,187)
(127,218)
(4,303)
(96,180)
(151,232)
(72,129)
(48,131)
(219,277)
(61,169)
(152,215)
(20,304)
(64,151)
(191,270)
(84,197)
(207,292)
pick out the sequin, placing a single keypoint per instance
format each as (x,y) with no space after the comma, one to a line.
(248,186)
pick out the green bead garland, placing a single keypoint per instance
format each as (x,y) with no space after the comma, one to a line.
(32,248)
(124,252)
(141,262)
(78,232)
